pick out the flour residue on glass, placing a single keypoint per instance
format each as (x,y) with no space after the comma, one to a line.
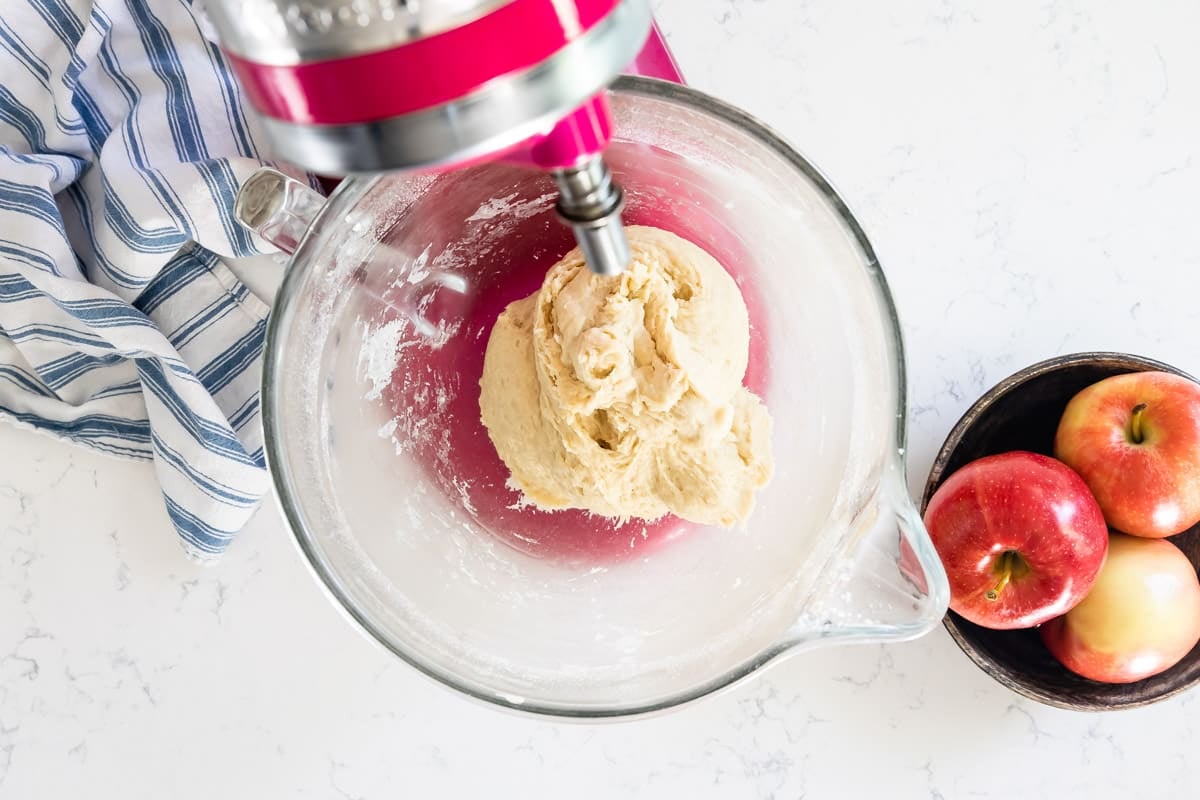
(512,208)
(424,307)
(420,424)
(377,361)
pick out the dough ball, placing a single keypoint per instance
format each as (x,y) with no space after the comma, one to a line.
(623,395)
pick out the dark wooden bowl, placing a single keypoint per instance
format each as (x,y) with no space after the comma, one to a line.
(1022,413)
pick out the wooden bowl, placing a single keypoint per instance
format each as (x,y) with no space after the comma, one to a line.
(1022,413)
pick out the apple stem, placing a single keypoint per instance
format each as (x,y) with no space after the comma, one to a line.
(1007,561)
(1135,423)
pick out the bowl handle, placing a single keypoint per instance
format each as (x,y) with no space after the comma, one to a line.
(277,208)
(281,209)
(886,583)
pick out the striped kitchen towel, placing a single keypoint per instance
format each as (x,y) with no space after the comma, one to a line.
(122,144)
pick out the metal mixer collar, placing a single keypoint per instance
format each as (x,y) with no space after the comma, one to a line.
(347,86)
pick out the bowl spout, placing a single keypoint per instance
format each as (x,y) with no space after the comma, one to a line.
(885,584)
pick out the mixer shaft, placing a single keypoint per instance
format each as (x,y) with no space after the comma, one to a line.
(591,203)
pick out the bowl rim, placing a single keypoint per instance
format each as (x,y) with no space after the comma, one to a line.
(288,491)
(1136,363)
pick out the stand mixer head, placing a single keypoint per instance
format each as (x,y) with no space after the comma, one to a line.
(346,86)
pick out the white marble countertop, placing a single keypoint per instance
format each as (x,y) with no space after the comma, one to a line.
(1027,174)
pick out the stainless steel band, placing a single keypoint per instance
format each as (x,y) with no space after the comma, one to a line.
(502,113)
(287,32)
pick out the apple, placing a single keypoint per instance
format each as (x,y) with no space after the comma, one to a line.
(1141,616)
(1020,536)
(1135,441)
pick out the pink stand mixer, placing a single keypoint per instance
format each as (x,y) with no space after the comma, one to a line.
(349,86)
(462,111)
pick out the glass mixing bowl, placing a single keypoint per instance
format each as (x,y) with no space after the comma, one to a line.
(398,500)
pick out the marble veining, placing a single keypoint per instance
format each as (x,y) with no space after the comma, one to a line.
(1027,173)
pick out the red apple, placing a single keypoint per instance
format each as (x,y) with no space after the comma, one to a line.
(1135,441)
(1141,616)
(1020,536)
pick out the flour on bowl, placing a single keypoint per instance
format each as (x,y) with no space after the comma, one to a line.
(398,341)
(515,210)
(380,351)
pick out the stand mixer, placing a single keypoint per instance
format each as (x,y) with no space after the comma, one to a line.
(348,86)
(374,349)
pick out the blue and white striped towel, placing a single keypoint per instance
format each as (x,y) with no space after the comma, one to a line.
(122,144)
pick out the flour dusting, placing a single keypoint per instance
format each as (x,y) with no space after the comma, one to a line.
(498,206)
(419,269)
(463,494)
(419,398)
(380,352)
